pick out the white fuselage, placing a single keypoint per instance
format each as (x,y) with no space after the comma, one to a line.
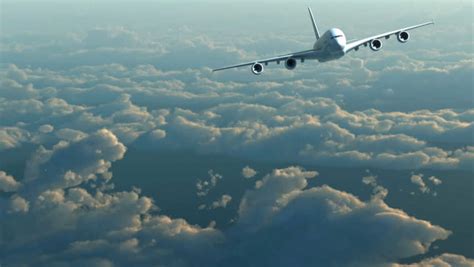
(330,46)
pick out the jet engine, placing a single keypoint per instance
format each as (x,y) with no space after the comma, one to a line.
(257,69)
(290,63)
(403,37)
(375,45)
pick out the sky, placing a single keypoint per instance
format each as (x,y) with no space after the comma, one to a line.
(120,147)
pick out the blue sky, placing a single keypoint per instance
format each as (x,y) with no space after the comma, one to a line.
(120,147)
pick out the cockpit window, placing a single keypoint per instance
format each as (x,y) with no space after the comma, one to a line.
(336,36)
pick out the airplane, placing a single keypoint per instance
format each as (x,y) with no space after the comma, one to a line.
(331,45)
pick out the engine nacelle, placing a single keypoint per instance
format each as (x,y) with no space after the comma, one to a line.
(403,37)
(257,69)
(290,63)
(375,45)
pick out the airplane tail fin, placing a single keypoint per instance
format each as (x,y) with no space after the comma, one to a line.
(315,27)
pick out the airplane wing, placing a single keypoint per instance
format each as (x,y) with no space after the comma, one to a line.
(365,41)
(298,55)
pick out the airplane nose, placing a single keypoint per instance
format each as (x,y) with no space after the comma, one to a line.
(341,42)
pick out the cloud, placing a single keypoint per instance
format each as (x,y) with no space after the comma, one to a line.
(46,128)
(222,202)
(158,134)
(203,187)
(18,205)
(8,183)
(281,214)
(378,191)
(115,37)
(435,180)
(90,223)
(444,260)
(121,228)
(189,110)
(67,134)
(87,159)
(248,172)
(12,137)
(87,223)
(417,179)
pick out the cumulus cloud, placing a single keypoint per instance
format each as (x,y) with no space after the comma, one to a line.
(8,183)
(420,182)
(18,205)
(114,37)
(219,203)
(222,202)
(248,172)
(444,260)
(417,179)
(158,134)
(12,137)
(378,191)
(189,110)
(87,159)
(435,180)
(281,206)
(90,225)
(67,134)
(204,186)
(121,228)
(46,128)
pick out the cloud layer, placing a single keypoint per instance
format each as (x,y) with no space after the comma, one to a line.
(74,96)
(90,224)
(146,106)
